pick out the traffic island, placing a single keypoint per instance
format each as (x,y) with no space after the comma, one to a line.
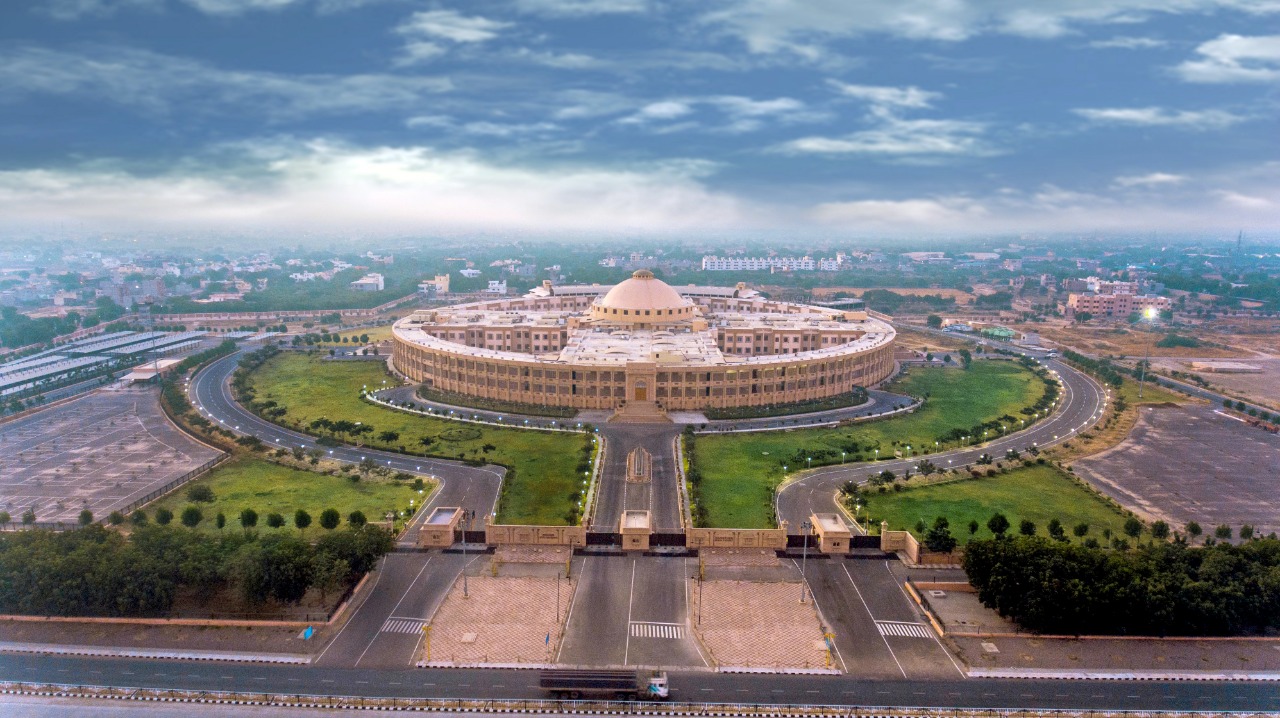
(498,621)
(757,626)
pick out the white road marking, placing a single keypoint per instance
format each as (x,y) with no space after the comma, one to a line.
(903,629)
(649,629)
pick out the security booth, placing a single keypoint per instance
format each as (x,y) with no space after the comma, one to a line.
(635,530)
(833,535)
(438,530)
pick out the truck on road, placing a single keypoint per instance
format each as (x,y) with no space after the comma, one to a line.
(619,685)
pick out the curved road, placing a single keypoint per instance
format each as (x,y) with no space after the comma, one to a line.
(1080,405)
(460,485)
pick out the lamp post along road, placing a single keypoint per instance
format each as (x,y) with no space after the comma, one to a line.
(804,558)
(468,516)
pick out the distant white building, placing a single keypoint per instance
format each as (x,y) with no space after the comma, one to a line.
(469,273)
(758,264)
(497,286)
(369,283)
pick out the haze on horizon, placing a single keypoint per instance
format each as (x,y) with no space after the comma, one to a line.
(519,117)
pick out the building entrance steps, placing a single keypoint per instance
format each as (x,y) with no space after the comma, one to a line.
(640,412)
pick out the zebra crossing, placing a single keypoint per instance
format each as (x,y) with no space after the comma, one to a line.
(904,629)
(647,629)
(404,625)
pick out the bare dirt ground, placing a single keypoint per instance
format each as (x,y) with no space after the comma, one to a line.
(256,639)
(1262,388)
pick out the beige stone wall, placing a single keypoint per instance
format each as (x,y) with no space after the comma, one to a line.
(894,541)
(508,534)
(736,538)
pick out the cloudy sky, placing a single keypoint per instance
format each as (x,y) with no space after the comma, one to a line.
(822,117)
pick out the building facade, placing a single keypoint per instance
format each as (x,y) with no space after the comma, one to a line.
(1115,305)
(600,347)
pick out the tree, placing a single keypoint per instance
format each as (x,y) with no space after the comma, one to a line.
(1027,528)
(164,516)
(973,526)
(220,520)
(115,518)
(1159,530)
(1056,532)
(998,525)
(1223,531)
(329,519)
(1133,528)
(5,518)
(388,437)
(86,517)
(939,538)
(138,518)
(191,517)
(1193,529)
(200,493)
(275,520)
(248,518)
(357,519)
(1083,317)
(1246,532)
(301,519)
(966,358)
(933,321)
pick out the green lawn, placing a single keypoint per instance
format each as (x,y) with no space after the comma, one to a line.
(545,476)
(1035,493)
(266,488)
(740,470)
(1151,394)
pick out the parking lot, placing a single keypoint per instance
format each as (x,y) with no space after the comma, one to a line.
(1193,463)
(100,452)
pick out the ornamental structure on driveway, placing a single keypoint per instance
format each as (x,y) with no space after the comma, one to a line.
(645,343)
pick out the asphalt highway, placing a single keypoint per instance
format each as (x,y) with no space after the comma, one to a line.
(469,487)
(687,686)
(1080,405)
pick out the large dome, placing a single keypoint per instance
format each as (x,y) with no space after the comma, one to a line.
(642,299)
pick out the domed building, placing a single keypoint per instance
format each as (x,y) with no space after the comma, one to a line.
(643,341)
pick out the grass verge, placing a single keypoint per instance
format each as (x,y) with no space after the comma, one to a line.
(739,472)
(1038,493)
(252,483)
(544,468)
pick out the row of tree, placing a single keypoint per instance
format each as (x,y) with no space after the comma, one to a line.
(94,571)
(1159,589)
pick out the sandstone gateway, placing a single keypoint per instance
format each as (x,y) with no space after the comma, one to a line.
(643,345)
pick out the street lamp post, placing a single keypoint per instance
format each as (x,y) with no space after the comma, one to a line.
(1150,314)
(804,557)
(468,515)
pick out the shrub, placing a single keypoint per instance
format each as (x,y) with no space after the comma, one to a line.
(191,517)
(163,516)
(201,493)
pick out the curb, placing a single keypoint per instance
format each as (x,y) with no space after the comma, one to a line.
(1104,675)
(176,655)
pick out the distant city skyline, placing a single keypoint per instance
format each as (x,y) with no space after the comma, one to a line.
(815,117)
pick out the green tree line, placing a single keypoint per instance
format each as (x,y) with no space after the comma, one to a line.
(1161,589)
(94,571)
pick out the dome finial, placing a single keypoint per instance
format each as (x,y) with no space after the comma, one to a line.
(642,274)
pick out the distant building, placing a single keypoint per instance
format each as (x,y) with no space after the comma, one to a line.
(496,286)
(439,285)
(469,273)
(712,263)
(926,257)
(369,283)
(1114,305)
